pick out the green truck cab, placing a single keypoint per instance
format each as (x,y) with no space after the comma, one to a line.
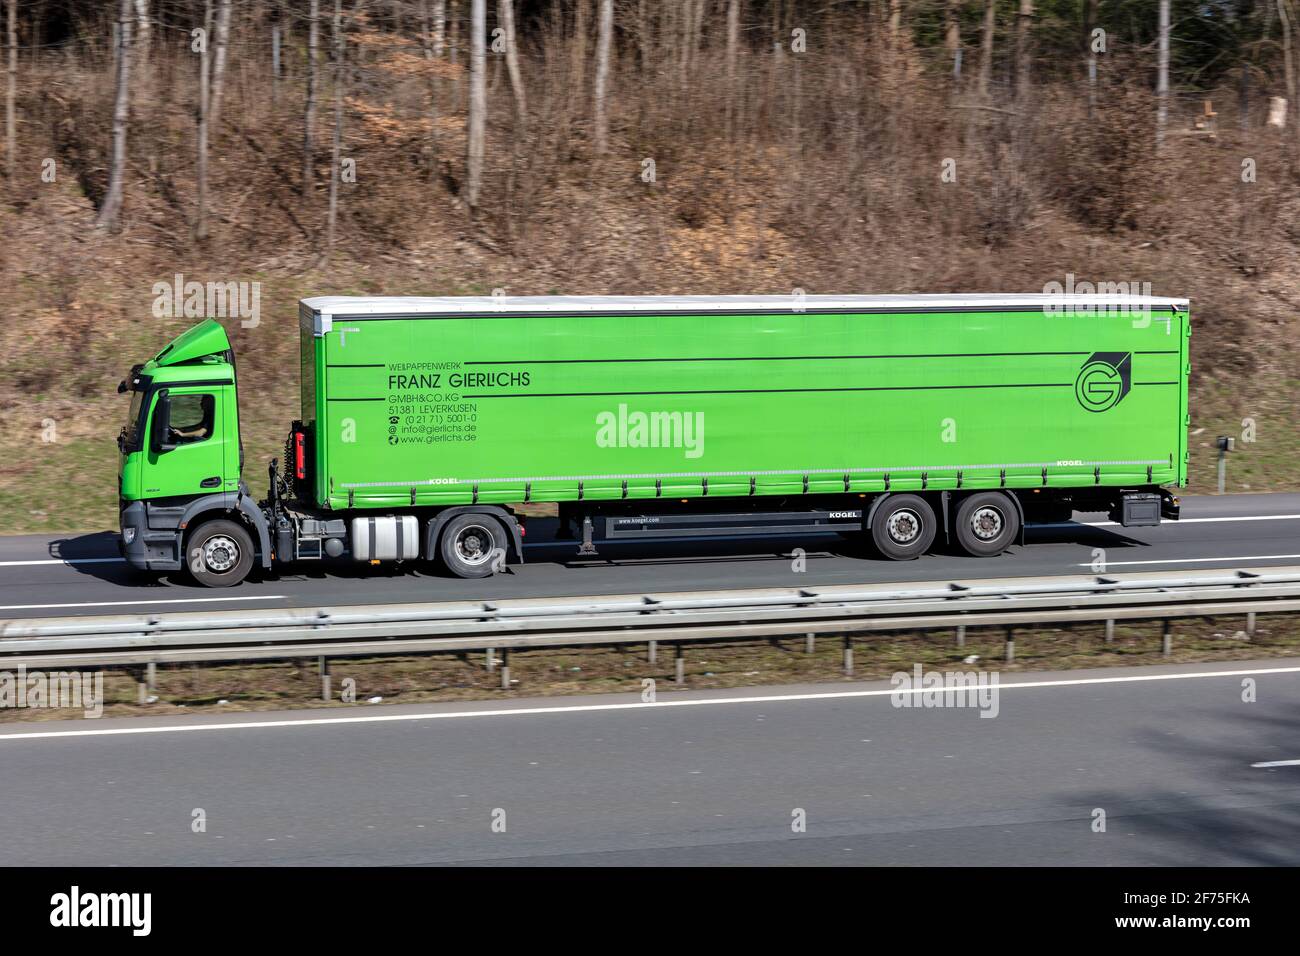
(180,460)
(906,421)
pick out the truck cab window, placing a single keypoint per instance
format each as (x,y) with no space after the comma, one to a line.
(192,418)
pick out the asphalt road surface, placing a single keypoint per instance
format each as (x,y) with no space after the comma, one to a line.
(81,574)
(1185,771)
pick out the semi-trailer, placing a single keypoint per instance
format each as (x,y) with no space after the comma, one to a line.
(903,420)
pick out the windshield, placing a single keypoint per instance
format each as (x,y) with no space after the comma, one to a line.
(131,433)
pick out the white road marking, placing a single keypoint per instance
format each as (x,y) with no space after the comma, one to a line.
(1165,524)
(34,607)
(24,564)
(592,708)
(1245,557)
(1277,763)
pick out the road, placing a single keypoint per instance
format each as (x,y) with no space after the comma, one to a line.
(707,777)
(81,574)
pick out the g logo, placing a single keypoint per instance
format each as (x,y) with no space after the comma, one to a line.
(1104,380)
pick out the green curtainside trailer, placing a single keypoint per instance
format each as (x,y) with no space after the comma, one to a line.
(905,419)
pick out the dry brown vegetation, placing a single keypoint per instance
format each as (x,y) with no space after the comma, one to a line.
(818,170)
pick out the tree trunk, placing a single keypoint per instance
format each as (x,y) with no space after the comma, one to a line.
(1162,73)
(108,212)
(506,15)
(432,40)
(1089,22)
(221,40)
(603,43)
(1285,15)
(142,30)
(953,35)
(11,94)
(733,43)
(309,113)
(336,150)
(578,66)
(477,101)
(986,46)
(205,107)
(1023,22)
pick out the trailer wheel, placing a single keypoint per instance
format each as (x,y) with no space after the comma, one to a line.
(986,523)
(219,554)
(472,545)
(903,527)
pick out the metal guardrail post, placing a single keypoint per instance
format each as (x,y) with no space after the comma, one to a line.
(848,656)
(809,643)
(1011,645)
(652,652)
(141,688)
(1167,638)
(1110,632)
(491,660)
(151,676)
(680,663)
(961,635)
(505,669)
(324,677)
(1250,625)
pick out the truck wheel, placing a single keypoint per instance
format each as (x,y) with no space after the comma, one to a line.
(986,524)
(903,527)
(220,554)
(472,545)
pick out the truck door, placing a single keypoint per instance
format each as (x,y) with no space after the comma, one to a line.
(196,464)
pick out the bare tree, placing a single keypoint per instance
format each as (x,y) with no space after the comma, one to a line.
(221,40)
(1089,22)
(142,30)
(432,36)
(336,148)
(205,93)
(211,75)
(605,36)
(477,101)
(11,129)
(733,41)
(986,46)
(108,212)
(309,111)
(506,16)
(952,34)
(1162,73)
(1023,23)
(1285,15)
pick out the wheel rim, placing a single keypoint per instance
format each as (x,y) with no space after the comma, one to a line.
(986,523)
(474,545)
(904,526)
(220,553)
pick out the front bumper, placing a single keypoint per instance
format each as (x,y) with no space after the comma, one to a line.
(145,549)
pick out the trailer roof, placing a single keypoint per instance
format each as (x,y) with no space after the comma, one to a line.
(330,307)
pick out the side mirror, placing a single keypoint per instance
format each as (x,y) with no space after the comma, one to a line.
(161,424)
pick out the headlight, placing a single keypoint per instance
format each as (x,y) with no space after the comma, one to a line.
(128,534)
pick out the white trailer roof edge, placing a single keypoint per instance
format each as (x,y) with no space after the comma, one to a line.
(327,308)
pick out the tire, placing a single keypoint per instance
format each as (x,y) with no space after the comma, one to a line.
(467,545)
(219,554)
(987,523)
(903,527)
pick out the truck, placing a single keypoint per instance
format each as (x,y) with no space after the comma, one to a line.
(903,422)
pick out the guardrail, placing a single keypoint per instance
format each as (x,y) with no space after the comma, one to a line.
(675,618)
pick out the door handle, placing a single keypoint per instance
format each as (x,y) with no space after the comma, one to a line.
(213,482)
